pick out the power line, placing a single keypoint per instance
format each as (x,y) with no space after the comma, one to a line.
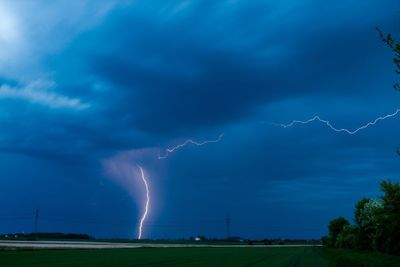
(228,227)
(36,221)
(168,224)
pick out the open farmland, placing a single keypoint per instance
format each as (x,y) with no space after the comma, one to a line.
(196,256)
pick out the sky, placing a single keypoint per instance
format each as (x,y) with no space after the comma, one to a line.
(91,90)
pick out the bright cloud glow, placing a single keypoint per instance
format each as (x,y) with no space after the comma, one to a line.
(10,36)
(9,32)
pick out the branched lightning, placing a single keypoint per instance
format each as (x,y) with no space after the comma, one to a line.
(146,209)
(146,184)
(327,123)
(187,142)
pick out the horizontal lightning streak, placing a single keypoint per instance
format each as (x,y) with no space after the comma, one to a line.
(327,123)
(187,142)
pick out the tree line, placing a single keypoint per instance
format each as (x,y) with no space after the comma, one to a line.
(376,224)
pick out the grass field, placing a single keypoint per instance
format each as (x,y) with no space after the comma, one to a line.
(274,256)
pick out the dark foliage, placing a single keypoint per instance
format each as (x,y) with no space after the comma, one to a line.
(377,224)
(395,46)
(336,226)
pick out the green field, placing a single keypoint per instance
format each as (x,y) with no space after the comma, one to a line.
(274,256)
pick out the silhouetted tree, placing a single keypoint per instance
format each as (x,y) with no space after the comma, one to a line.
(395,47)
(390,220)
(370,218)
(348,237)
(335,228)
(391,197)
(377,225)
(362,233)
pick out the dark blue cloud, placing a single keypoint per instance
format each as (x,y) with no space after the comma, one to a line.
(210,71)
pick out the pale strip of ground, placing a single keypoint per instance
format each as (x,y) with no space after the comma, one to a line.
(106,245)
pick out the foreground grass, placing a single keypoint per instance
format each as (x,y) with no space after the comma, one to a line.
(284,256)
(351,258)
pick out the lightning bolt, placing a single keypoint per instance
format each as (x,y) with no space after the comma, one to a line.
(328,123)
(146,209)
(187,142)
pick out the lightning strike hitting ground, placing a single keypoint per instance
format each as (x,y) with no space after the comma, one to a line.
(327,123)
(146,209)
(187,142)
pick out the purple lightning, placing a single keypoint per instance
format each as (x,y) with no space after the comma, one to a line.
(187,142)
(147,202)
(327,123)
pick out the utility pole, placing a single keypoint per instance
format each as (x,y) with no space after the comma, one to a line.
(228,227)
(36,221)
